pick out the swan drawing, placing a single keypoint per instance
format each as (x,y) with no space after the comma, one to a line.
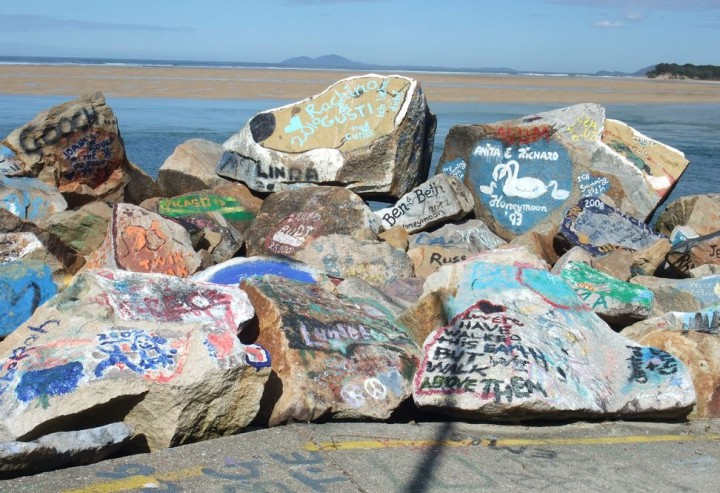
(526,187)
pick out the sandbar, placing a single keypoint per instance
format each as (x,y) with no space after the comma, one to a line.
(286,84)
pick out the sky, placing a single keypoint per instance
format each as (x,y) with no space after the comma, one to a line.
(528,35)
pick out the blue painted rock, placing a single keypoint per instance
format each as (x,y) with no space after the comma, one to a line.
(680,234)
(615,301)
(371,133)
(141,241)
(191,167)
(472,234)
(291,220)
(526,172)
(522,345)
(233,271)
(699,212)
(334,358)
(8,163)
(600,229)
(694,338)
(160,352)
(30,199)
(24,286)
(78,146)
(440,199)
(681,295)
(342,256)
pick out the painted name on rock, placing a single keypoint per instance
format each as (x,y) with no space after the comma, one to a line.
(199,203)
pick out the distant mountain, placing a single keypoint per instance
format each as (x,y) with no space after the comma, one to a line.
(638,73)
(325,61)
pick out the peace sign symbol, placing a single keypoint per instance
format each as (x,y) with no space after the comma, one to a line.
(375,389)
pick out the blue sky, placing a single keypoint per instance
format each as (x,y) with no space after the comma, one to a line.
(537,35)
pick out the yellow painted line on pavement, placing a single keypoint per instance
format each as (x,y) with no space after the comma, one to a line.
(381,443)
(134,482)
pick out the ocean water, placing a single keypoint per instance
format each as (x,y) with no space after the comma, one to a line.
(152,128)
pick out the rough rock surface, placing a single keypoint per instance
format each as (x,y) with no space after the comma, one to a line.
(472,234)
(289,221)
(681,295)
(29,198)
(342,256)
(371,133)
(428,259)
(692,337)
(440,199)
(24,286)
(522,345)
(615,301)
(83,229)
(190,167)
(694,252)
(528,171)
(76,147)
(699,212)
(62,449)
(599,228)
(212,233)
(141,241)
(330,358)
(159,353)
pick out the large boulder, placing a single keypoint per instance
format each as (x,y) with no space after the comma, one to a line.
(289,221)
(76,147)
(692,337)
(159,353)
(330,357)
(29,198)
(527,172)
(83,229)
(142,241)
(190,167)
(522,345)
(681,295)
(371,134)
(699,212)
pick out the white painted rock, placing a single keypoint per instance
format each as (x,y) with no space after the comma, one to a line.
(160,353)
(441,198)
(522,345)
(370,133)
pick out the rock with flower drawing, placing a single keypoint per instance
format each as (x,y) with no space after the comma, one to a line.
(333,357)
(159,353)
(526,172)
(522,345)
(369,133)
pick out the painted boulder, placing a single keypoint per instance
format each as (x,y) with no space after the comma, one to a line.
(30,199)
(342,256)
(8,162)
(699,212)
(190,167)
(615,301)
(599,228)
(694,338)
(333,358)
(141,241)
(681,295)
(291,220)
(440,199)
(428,259)
(233,271)
(24,286)
(522,345)
(371,134)
(472,234)
(526,172)
(83,229)
(694,252)
(160,354)
(76,147)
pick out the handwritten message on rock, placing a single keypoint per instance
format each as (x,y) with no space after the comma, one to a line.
(615,301)
(200,203)
(693,339)
(694,252)
(526,346)
(472,234)
(142,241)
(599,228)
(441,198)
(335,358)
(141,346)
(78,143)
(372,133)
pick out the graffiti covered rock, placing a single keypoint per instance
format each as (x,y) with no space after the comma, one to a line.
(141,241)
(30,199)
(24,286)
(371,133)
(159,353)
(523,345)
(681,295)
(695,252)
(526,172)
(333,358)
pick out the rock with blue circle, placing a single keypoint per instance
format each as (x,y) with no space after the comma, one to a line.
(232,272)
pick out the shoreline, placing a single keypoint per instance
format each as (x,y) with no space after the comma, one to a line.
(296,84)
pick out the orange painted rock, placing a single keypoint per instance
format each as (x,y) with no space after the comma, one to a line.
(141,241)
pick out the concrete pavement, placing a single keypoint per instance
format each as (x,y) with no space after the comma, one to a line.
(424,457)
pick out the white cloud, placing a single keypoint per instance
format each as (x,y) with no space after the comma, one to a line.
(606,24)
(634,15)
(32,22)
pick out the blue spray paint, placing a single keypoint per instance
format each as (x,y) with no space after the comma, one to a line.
(24,285)
(231,273)
(41,384)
